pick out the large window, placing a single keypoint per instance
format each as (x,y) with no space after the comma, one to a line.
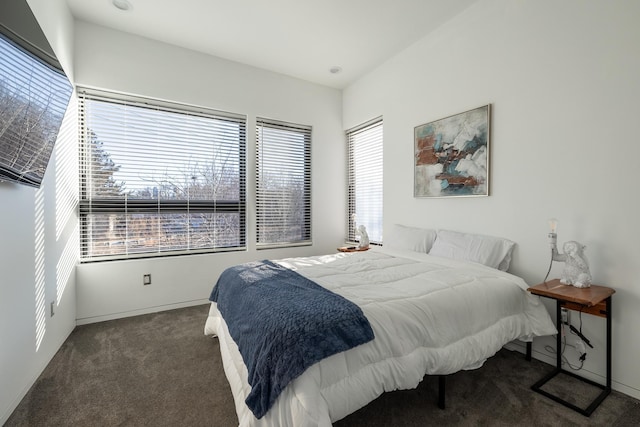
(33,99)
(364,144)
(159,179)
(283,187)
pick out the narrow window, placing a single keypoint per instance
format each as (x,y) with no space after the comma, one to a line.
(364,146)
(159,179)
(283,184)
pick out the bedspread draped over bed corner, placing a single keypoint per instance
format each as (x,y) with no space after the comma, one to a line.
(283,323)
(430,315)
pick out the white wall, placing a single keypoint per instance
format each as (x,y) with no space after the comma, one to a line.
(117,61)
(38,248)
(562,79)
(38,252)
(57,24)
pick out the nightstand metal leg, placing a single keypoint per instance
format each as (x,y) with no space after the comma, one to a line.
(608,302)
(559,336)
(606,389)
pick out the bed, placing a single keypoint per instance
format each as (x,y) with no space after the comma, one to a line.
(433,311)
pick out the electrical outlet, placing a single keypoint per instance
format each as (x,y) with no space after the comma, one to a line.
(146,279)
(580,347)
(565,315)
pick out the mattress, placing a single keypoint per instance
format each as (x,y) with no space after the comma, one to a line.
(430,316)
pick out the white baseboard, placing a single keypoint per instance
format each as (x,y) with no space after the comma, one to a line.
(551,360)
(147,310)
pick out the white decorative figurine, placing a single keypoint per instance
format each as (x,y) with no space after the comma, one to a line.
(364,237)
(576,267)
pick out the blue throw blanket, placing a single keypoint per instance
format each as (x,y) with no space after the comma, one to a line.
(283,323)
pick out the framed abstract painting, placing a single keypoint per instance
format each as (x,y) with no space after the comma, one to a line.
(452,155)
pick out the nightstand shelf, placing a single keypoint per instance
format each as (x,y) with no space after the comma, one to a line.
(594,300)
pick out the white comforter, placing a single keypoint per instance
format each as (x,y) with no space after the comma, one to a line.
(430,316)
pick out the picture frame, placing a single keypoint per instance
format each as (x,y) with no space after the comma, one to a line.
(451,155)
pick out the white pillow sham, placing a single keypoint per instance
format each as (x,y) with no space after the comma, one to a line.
(491,251)
(409,238)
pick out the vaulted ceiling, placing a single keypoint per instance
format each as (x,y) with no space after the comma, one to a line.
(300,38)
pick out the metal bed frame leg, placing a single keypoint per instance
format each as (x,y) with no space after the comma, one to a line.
(441,391)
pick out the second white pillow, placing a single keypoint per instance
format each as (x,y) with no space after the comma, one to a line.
(491,251)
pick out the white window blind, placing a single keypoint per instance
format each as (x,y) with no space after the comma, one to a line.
(364,145)
(33,101)
(283,184)
(158,178)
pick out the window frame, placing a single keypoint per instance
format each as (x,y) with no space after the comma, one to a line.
(89,205)
(352,220)
(262,200)
(37,83)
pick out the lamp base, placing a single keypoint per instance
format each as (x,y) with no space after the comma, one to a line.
(576,268)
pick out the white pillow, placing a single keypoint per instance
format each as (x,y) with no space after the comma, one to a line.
(491,251)
(409,238)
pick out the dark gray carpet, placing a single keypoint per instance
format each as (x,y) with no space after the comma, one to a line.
(160,370)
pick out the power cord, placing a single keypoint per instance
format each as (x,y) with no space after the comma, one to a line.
(549,269)
(565,361)
(552,350)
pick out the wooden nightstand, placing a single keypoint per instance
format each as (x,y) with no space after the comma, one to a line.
(352,249)
(595,300)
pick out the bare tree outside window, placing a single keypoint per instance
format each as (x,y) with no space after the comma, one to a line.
(33,100)
(283,186)
(160,181)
